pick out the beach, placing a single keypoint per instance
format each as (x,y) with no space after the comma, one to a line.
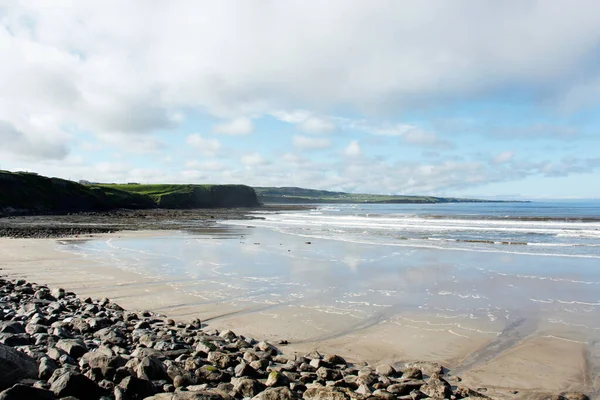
(301,305)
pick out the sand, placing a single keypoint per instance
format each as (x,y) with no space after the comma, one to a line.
(528,361)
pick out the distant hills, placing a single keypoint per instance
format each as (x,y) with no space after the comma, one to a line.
(299,195)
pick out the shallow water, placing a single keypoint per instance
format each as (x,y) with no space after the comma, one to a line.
(366,276)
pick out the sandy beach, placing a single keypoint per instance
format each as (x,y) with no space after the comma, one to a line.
(525,359)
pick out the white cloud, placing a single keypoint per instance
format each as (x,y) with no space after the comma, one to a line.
(208,147)
(316,125)
(253,160)
(204,165)
(306,121)
(309,143)
(353,149)
(237,126)
(503,157)
(100,67)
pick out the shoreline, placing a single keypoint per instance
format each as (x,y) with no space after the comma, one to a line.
(30,258)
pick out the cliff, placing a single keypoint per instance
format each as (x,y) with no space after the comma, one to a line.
(23,193)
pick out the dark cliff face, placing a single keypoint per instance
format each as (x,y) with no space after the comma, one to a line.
(27,193)
(211,197)
(24,193)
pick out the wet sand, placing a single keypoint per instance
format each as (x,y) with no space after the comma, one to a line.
(525,357)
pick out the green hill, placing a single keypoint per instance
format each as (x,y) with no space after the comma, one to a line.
(30,193)
(299,195)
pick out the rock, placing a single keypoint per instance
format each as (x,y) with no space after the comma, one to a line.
(277,379)
(21,392)
(247,387)
(385,370)
(46,368)
(244,370)
(151,368)
(111,336)
(15,366)
(573,396)
(334,359)
(382,394)
(275,393)
(228,335)
(201,395)
(219,359)
(436,387)
(324,393)
(404,388)
(412,373)
(74,384)
(211,374)
(136,388)
(464,392)
(15,339)
(73,347)
(427,368)
(329,374)
(11,327)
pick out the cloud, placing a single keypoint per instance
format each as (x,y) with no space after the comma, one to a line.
(208,147)
(306,121)
(353,149)
(316,125)
(309,143)
(204,165)
(18,143)
(503,157)
(238,126)
(253,160)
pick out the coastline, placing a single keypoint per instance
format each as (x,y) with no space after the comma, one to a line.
(529,365)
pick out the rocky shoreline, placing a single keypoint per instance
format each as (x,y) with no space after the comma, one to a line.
(86,223)
(55,345)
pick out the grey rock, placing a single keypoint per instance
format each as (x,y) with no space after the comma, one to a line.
(275,393)
(15,366)
(11,327)
(151,368)
(219,359)
(136,388)
(73,347)
(74,384)
(436,387)
(21,392)
(247,387)
(324,393)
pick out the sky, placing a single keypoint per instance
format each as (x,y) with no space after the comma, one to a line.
(496,99)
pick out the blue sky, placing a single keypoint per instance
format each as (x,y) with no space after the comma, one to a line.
(461,98)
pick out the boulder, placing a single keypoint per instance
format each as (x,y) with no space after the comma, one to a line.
(15,366)
(136,388)
(324,393)
(277,379)
(247,387)
(21,392)
(74,384)
(436,387)
(275,393)
(151,368)
(73,347)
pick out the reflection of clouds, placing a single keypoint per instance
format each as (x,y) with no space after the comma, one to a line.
(352,262)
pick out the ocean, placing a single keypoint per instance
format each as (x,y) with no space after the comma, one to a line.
(460,268)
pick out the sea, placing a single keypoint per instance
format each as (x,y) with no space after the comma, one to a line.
(454,267)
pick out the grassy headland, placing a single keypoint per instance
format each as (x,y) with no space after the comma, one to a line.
(30,193)
(299,195)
